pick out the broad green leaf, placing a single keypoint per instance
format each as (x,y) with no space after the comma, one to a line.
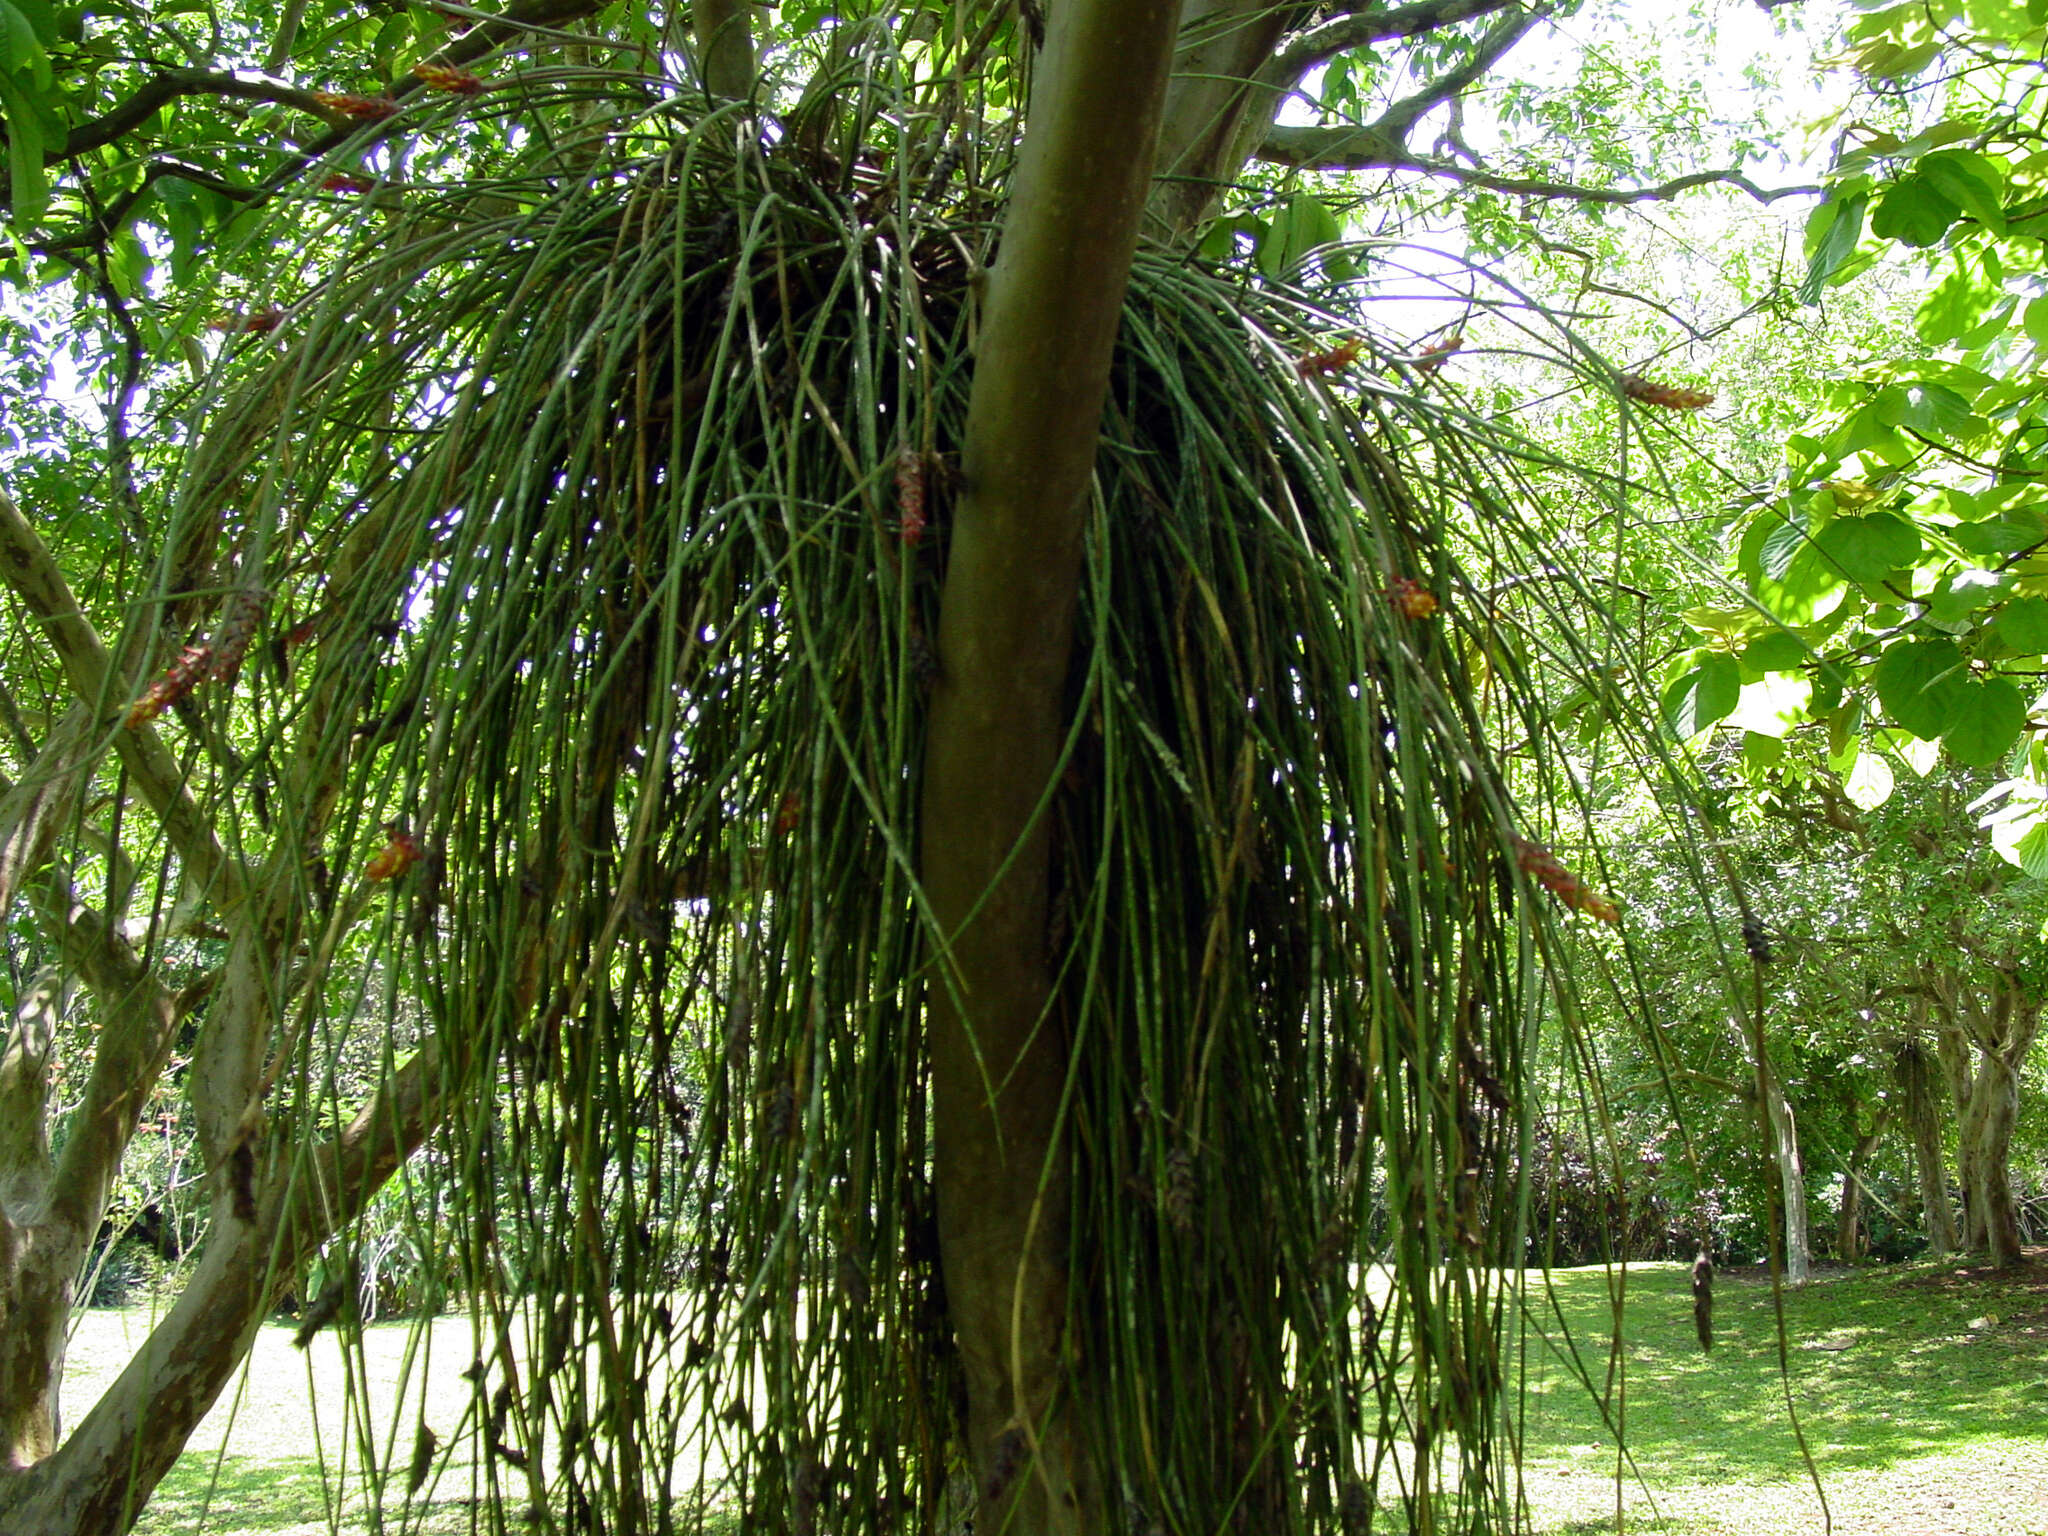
(1938,411)
(1781,546)
(1724,622)
(1869,783)
(1702,696)
(2028,847)
(1919,683)
(1999,536)
(1773,705)
(1778,651)
(1954,305)
(1301,225)
(21,51)
(1833,231)
(2023,625)
(1760,751)
(1920,756)
(1869,548)
(1971,181)
(1913,212)
(1962,593)
(1986,720)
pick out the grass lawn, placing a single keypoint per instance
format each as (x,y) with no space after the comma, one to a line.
(1923,1392)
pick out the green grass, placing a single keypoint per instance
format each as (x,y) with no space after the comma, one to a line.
(1923,1393)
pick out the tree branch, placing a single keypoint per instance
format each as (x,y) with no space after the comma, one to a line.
(1367,149)
(1360,29)
(139,1019)
(30,571)
(526,18)
(155,92)
(1399,119)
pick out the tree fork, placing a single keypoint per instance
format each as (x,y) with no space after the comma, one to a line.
(1054,301)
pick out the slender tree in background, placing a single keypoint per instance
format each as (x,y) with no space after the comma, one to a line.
(899,794)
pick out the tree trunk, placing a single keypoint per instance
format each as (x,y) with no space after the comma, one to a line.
(999,1064)
(1849,1244)
(1783,1132)
(1791,1183)
(1915,1075)
(1954,1051)
(1993,1024)
(1994,1109)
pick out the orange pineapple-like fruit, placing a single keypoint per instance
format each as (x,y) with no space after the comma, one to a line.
(1544,867)
(1671,397)
(441,78)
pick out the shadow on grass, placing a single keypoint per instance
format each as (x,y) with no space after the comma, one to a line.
(234,1493)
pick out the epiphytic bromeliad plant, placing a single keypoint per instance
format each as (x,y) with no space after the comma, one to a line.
(917,1000)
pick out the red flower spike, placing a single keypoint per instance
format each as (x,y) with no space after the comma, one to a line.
(364,109)
(1543,867)
(1671,397)
(912,521)
(789,813)
(400,852)
(1411,599)
(344,181)
(1343,355)
(1430,359)
(442,78)
(193,666)
(262,322)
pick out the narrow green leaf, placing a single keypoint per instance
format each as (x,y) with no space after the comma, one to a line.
(1833,231)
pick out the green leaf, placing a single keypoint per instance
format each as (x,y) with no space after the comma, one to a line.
(1962,593)
(1759,751)
(1913,212)
(28,183)
(1778,651)
(1939,411)
(2023,625)
(1919,683)
(2030,850)
(1972,182)
(1869,783)
(21,50)
(1780,547)
(1986,720)
(1833,231)
(1999,536)
(1301,225)
(1702,696)
(1870,548)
